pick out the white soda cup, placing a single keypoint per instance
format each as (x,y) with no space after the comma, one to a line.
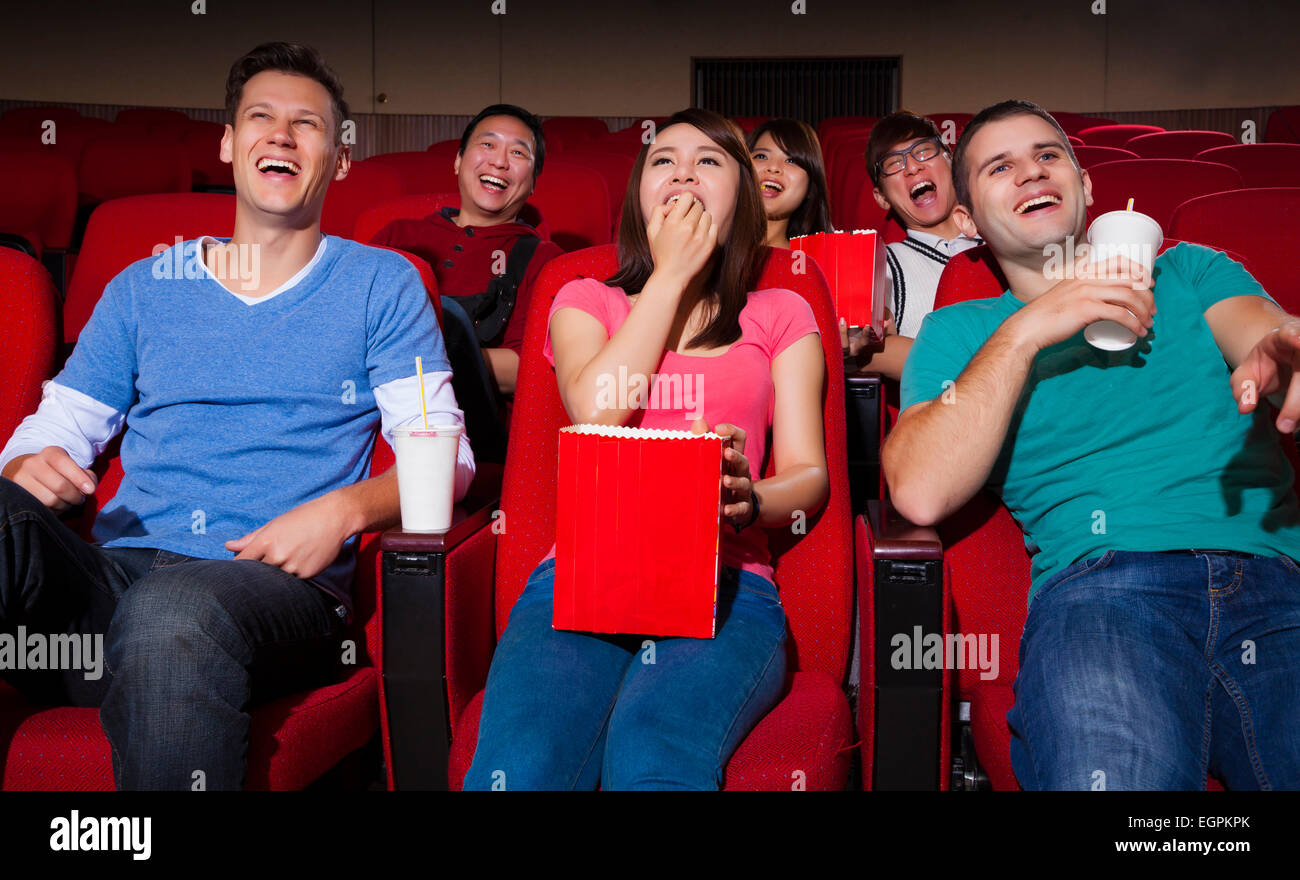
(1134,236)
(426,475)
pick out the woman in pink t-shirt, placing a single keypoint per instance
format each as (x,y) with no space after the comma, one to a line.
(577,710)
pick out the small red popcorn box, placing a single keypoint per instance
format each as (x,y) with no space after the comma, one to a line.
(637,521)
(854,266)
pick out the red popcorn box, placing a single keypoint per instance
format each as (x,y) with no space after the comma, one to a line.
(854,266)
(637,524)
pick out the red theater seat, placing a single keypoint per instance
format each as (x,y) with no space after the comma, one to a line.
(1089,156)
(364,186)
(809,730)
(1114,135)
(202,144)
(119,166)
(846,168)
(1157,186)
(1257,223)
(1260,165)
(749,123)
(29,303)
(420,171)
(123,231)
(38,198)
(613,166)
(570,131)
(1073,123)
(834,126)
(867,214)
(575,202)
(1177,144)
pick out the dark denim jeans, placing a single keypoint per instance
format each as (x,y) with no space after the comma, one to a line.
(189,644)
(572,710)
(1146,670)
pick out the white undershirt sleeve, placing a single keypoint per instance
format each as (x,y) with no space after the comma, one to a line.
(76,422)
(399,406)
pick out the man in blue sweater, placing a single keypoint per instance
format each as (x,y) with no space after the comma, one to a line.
(221,569)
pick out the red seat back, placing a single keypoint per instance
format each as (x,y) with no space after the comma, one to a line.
(575,202)
(365,185)
(846,168)
(833,127)
(749,123)
(420,170)
(1177,144)
(867,214)
(202,144)
(814,574)
(1260,165)
(1114,135)
(125,230)
(1157,186)
(564,132)
(1258,223)
(28,301)
(38,192)
(613,166)
(170,130)
(1073,123)
(120,166)
(1089,156)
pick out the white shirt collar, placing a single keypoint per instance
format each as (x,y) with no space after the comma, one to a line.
(302,273)
(948,246)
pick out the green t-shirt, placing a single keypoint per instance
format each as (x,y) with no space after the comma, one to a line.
(1134,450)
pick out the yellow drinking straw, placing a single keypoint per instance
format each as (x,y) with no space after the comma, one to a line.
(1130,205)
(419,371)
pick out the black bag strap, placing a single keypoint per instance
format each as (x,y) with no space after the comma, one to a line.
(503,291)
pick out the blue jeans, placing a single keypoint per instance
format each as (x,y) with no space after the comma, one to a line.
(189,644)
(1146,670)
(566,710)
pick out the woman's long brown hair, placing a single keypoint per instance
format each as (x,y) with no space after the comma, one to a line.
(737,269)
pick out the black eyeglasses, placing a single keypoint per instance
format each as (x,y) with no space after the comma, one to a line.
(921,151)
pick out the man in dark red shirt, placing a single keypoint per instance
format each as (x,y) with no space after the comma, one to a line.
(485,293)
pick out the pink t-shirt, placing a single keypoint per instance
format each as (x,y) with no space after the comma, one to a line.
(732,388)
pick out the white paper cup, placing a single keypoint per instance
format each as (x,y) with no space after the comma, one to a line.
(426,475)
(1134,236)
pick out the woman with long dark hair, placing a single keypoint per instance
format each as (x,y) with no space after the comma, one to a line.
(787,159)
(576,710)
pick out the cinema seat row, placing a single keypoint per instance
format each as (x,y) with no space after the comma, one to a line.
(969,575)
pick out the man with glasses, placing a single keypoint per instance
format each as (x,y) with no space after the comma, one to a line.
(911,169)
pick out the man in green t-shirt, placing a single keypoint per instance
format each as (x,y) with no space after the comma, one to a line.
(1147,659)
